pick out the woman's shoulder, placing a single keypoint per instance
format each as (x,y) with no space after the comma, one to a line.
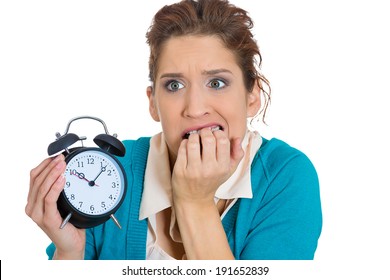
(142,142)
(136,150)
(276,156)
(274,146)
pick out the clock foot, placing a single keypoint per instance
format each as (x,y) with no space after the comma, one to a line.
(115,221)
(66,220)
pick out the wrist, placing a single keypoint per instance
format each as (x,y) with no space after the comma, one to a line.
(197,205)
(195,214)
(201,230)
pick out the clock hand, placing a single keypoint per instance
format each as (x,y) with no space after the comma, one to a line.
(82,177)
(103,169)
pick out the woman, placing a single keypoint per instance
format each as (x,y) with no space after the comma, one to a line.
(206,187)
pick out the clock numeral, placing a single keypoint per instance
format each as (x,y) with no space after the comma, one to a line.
(90,161)
(110,197)
(103,205)
(109,172)
(80,164)
(92,208)
(67,184)
(72,197)
(114,185)
(81,204)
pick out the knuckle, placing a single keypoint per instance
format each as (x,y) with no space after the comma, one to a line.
(208,139)
(223,141)
(27,210)
(192,146)
(42,191)
(33,173)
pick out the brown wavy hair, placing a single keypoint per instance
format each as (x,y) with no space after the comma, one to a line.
(210,18)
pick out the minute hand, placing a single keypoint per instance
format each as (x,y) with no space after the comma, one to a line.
(101,171)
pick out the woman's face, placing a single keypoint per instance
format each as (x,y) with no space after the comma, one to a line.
(200,85)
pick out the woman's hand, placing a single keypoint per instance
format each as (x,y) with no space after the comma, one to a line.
(46,184)
(204,162)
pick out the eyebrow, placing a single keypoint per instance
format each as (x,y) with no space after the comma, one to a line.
(171,75)
(216,71)
(204,72)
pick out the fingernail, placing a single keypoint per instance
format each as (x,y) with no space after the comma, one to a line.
(58,158)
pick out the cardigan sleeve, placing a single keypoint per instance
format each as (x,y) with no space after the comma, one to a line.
(287,222)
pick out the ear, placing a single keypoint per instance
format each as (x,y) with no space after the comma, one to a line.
(152,104)
(253,101)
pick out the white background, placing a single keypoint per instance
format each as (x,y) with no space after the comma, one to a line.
(328,65)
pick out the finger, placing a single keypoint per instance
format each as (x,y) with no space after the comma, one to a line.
(51,213)
(36,183)
(37,207)
(181,160)
(237,153)
(42,183)
(50,180)
(34,173)
(208,146)
(223,147)
(193,151)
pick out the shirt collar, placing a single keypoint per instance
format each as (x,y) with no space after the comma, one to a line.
(157,193)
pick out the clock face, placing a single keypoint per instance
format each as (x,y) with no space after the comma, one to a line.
(95,182)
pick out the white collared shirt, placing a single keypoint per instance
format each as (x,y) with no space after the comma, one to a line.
(157,193)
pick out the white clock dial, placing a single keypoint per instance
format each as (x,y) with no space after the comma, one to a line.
(94,182)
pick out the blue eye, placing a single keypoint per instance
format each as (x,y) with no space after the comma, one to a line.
(174,85)
(216,84)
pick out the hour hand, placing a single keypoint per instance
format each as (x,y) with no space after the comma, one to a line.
(82,177)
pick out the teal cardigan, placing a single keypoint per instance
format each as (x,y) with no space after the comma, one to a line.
(282,221)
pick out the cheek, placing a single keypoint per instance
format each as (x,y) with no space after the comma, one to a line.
(237,126)
(170,127)
(235,117)
(168,117)
(166,110)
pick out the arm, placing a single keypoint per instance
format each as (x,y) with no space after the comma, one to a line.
(202,231)
(287,221)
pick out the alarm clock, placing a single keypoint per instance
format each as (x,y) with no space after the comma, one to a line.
(95,181)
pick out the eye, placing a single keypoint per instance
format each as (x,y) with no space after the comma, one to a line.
(217,84)
(173,85)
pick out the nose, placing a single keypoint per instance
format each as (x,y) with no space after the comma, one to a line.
(196,104)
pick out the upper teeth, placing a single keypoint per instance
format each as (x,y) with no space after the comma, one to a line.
(192,131)
(214,128)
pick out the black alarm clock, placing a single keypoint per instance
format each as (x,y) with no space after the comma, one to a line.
(95,181)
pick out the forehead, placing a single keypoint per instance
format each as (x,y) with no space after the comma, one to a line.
(201,53)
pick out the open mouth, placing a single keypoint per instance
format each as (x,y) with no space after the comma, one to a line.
(214,128)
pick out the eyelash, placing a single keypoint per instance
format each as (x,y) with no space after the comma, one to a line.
(168,84)
(225,83)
